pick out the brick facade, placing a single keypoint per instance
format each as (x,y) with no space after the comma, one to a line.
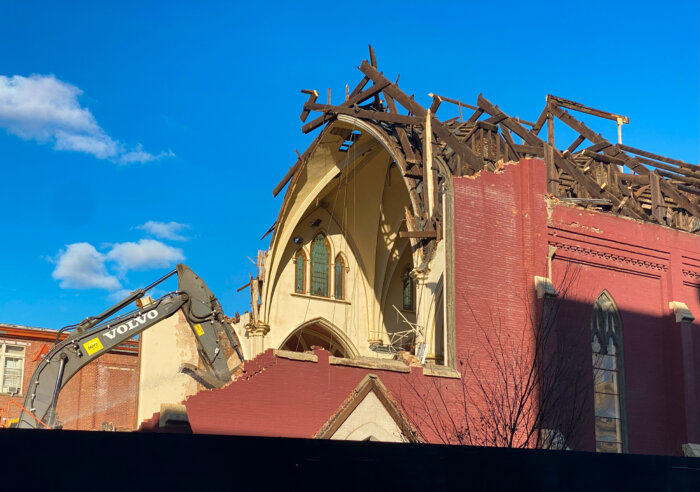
(104,392)
(505,227)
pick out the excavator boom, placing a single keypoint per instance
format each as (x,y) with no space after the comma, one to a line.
(97,335)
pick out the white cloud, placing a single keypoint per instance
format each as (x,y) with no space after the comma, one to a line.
(43,108)
(139,155)
(81,266)
(146,254)
(165,230)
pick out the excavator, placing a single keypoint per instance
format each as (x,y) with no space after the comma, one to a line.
(95,336)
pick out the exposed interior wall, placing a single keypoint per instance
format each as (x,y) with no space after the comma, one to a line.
(369,421)
(163,348)
(357,199)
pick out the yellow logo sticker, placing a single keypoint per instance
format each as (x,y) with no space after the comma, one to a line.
(198,329)
(92,346)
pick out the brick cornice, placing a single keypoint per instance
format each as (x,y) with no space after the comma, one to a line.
(601,257)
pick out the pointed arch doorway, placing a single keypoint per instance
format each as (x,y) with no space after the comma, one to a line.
(319,333)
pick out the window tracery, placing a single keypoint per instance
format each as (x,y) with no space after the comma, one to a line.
(608,376)
(320,265)
(300,272)
(409,291)
(339,277)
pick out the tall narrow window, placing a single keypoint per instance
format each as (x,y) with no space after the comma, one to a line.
(608,376)
(11,368)
(339,278)
(300,272)
(409,303)
(320,266)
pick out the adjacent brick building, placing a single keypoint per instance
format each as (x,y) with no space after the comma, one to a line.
(101,396)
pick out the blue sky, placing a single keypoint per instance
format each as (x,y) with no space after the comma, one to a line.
(137,134)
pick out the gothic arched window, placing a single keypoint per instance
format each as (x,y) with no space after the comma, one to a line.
(320,266)
(300,272)
(608,376)
(339,277)
(409,291)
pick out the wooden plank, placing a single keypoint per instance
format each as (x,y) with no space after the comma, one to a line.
(529,149)
(535,130)
(576,125)
(413,175)
(365,114)
(272,228)
(679,170)
(658,157)
(313,95)
(372,57)
(677,197)
(509,122)
(418,234)
(292,170)
(401,132)
(455,102)
(566,103)
(477,114)
(286,178)
(356,99)
(574,145)
(360,86)
(592,187)
(475,162)
(436,103)
(509,141)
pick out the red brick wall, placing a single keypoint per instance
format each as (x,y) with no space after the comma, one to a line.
(503,226)
(104,391)
(644,267)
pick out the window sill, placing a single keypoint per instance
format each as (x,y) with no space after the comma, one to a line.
(321,298)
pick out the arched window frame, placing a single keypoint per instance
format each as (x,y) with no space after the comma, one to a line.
(339,259)
(300,258)
(608,374)
(408,282)
(326,265)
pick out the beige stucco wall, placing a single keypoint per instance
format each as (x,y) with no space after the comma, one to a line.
(369,418)
(357,199)
(163,348)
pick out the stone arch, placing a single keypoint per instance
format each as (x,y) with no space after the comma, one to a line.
(320,332)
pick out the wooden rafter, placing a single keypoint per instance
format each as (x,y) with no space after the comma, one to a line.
(610,177)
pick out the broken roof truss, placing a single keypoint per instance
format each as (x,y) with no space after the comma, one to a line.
(610,177)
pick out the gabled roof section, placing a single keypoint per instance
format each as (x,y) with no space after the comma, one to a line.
(369,384)
(591,171)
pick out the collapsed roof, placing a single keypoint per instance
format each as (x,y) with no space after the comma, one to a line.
(606,176)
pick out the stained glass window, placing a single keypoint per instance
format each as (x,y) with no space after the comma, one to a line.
(299,272)
(606,342)
(339,278)
(320,263)
(408,291)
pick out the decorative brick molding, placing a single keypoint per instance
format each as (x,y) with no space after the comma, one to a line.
(693,275)
(626,261)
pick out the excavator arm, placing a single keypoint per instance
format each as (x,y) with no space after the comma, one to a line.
(96,336)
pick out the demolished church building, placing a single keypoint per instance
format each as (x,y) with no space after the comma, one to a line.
(470,281)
